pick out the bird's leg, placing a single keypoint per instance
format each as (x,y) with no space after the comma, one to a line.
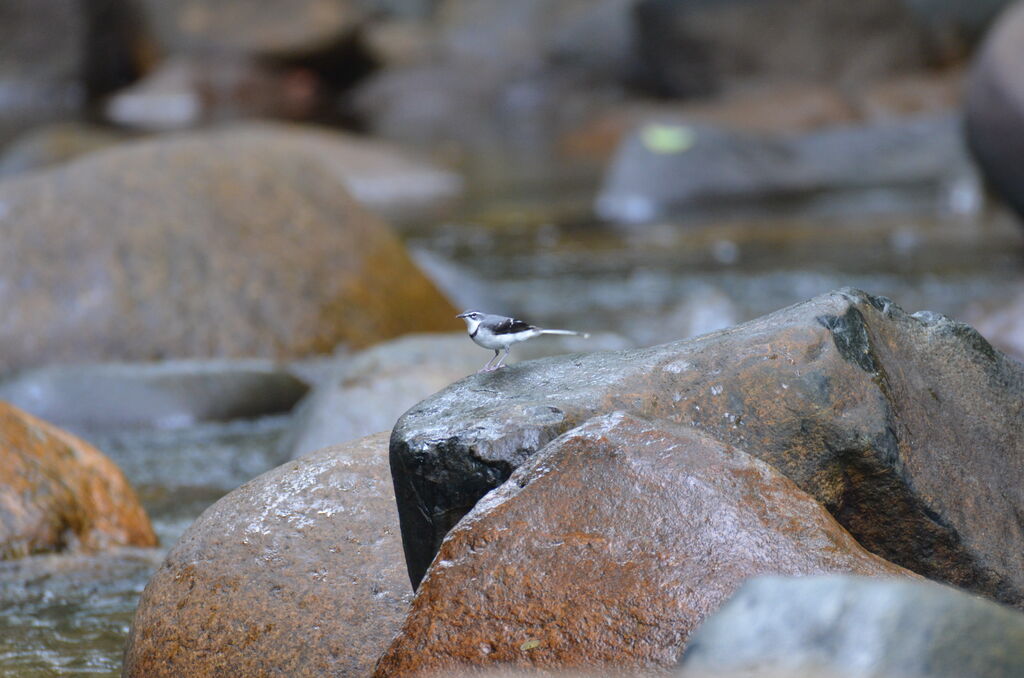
(487,367)
(502,359)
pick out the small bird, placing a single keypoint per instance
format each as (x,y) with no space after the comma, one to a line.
(497,332)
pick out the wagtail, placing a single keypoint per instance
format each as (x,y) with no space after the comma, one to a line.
(497,332)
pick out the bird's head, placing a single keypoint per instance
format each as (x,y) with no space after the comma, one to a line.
(472,319)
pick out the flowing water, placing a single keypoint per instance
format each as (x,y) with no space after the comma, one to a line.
(546,259)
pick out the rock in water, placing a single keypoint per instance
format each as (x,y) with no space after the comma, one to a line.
(607,548)
(854,627)
(296,573)
(668,166)
(995,107)
(907,429)
(169,394)
(58,493)
(231,243)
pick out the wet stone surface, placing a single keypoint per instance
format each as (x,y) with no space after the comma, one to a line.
(889,420)
(607,548)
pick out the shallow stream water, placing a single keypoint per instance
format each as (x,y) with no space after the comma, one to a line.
(547,260)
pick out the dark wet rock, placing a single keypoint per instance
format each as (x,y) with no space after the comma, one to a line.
(259,27)
(171,394)
(995,107)
(669,166)
(370,390)
(53,145)
(298,572)
(696,48)
(850,627)
(58,493)
(608,547)
(233,243)
(905,428)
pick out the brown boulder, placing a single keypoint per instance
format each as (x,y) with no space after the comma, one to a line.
(233,243)
(297,573)
(58,493)
(608,547)
(908,429)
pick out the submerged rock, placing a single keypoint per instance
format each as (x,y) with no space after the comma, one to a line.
(58,493)
(906,428)
(607,548)
(171,394)
(669,166)
(995,107)
(233,243)
(855,627)
(298,572)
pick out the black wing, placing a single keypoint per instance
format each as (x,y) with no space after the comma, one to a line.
(512,326)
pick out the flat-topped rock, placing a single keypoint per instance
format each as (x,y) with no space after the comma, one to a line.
(906,428)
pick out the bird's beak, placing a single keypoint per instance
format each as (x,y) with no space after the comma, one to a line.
(462,315)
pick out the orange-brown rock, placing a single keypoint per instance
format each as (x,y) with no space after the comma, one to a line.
(907,428)
(608,548)
(58,493)
(296,573)
(230,243)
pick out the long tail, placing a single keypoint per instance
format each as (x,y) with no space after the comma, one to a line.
(569,332)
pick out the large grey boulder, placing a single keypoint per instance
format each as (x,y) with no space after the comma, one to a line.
(857,627)
(906,428)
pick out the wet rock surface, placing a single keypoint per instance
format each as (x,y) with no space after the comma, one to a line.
(668,166)
(170,394)
(297,572)
(903,427)
(58,493)
(221,244)
(995,106)
(608,547)
(856,627)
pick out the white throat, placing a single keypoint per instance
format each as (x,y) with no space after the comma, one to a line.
(471,325)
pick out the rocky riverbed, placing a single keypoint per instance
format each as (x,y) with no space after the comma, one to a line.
(242,432)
